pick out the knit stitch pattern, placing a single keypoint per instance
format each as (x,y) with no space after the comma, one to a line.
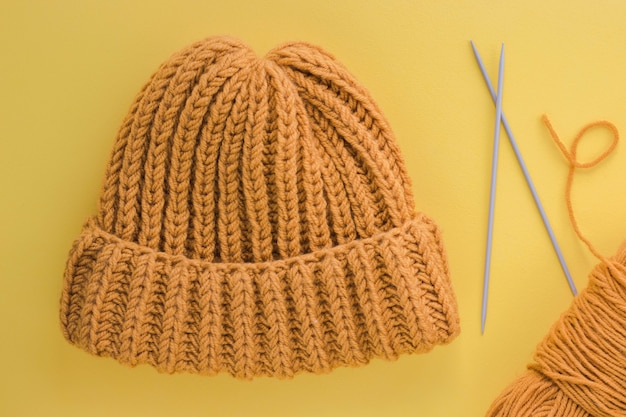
(256,218)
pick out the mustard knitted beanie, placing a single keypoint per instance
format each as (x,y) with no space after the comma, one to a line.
(256,218)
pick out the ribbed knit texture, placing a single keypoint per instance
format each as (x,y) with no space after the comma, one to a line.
(256,218)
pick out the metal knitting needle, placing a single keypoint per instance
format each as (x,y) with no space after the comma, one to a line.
(492,194)
(529,181)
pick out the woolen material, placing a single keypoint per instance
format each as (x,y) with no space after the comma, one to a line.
(256,218)
(579,368)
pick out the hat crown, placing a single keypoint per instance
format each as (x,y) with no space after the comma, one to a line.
(228,157)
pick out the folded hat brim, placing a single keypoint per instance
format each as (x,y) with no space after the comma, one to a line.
(377,297)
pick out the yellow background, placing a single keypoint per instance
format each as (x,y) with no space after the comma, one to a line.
(70,68)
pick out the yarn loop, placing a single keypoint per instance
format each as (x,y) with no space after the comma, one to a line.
(571,156)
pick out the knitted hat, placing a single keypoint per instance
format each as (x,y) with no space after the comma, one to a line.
(256,218)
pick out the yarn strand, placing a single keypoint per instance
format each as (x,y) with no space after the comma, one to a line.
(571,155)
